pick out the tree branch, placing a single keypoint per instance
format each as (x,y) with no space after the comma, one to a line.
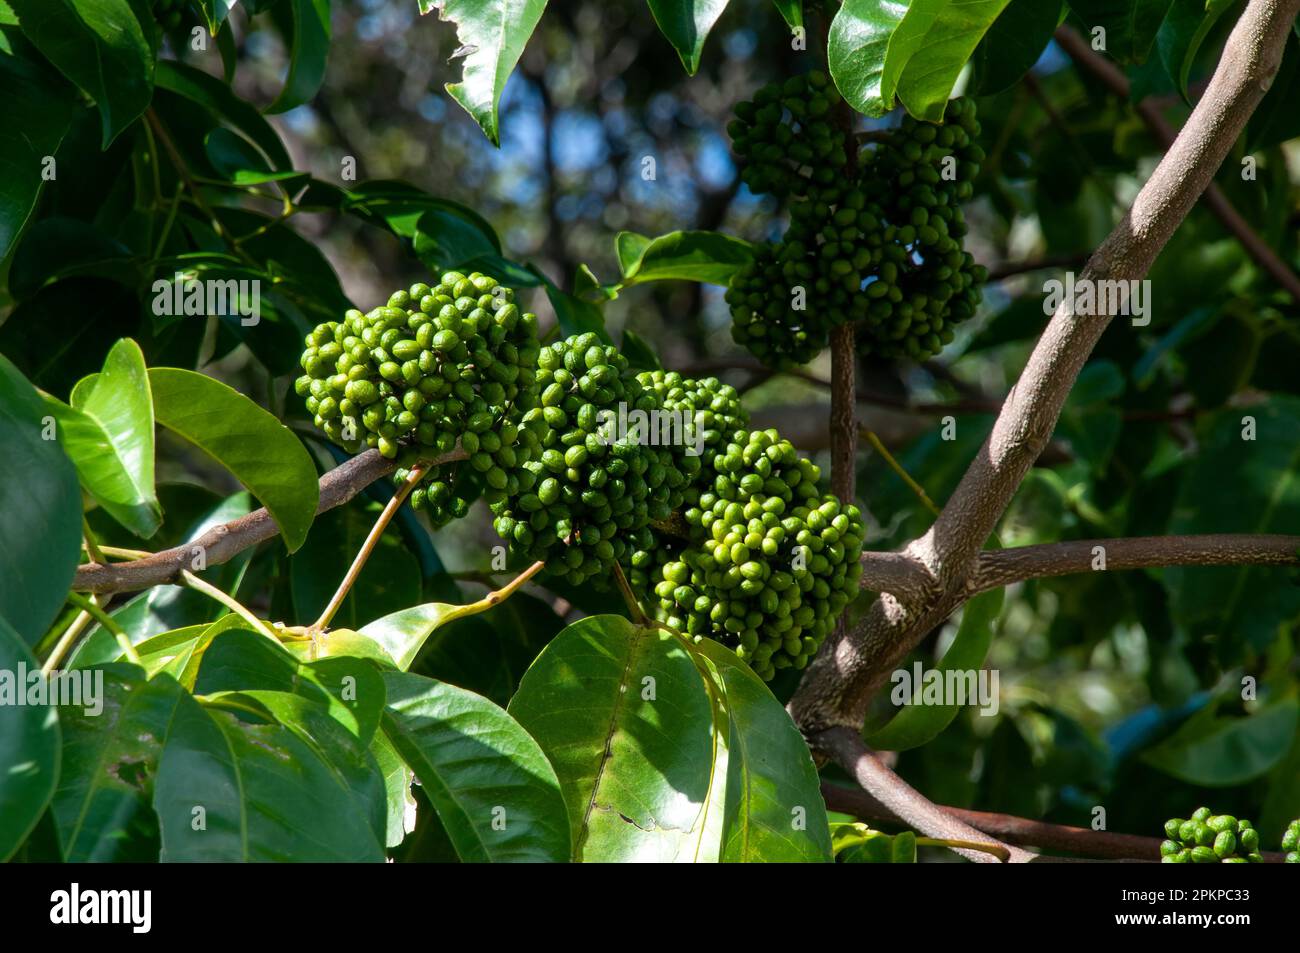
(851,666)
(1002,567)
(903,801)
(1149,112)
(224,542)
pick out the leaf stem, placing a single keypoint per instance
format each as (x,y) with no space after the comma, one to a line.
(898,468)
(997,850)
(92,548)
(372,540)
(108,622)
(66,641)
(638,614)
(227,600)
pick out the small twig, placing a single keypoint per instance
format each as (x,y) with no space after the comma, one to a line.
(66,641)
(92,548)
(638,614)
(897,467)
(108,622)
(372,540)
(227,600)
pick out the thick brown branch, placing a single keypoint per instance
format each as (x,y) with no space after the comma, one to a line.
(895,573)
(1148,111)
(902,800)
(1001,567)
(849,667)
(224,542)
(843,422)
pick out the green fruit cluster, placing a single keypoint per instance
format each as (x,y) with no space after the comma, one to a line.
(589,495)
(436,364)
(712,405)
(768,561)
(1207,838)
(1291,842)
(876,240)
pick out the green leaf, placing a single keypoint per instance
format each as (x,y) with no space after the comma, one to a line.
(214,96)
(29,744)
(40,103)
(621,712)
(108,434)
(686,24)
(403,633)
(110,758)
(397,786)
(215,12)
(870,44)
(233,790)
(927,80)
(1013,44)
(308,38)
(495,793)
(1130,25)
(856,843)
(444,233)
(389,580)
(576,316)
(492,35)
(1185,28)
(640,355)
(100,46)
(238,161)
(1237,485)
(257,449)
(772,807)
(918,723)
(706,257)
(791,11)
(40,510)
(58,247)
(1209,750)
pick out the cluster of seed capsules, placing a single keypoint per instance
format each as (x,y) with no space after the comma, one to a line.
(599,478)
(1291,842)
(874,237)
(438,364)
(767,562)
(1208,838)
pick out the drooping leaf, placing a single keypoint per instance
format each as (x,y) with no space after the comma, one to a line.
(257,449)
(108,434)
(40,510)
(791,11)
(58,247)
(1130,25)
(308,39)
(870,44)
(101,46)
(1211,750)
(1185,28)
(1014,43)
(686,24)
(492,35)
(214,96)
(495,793)
(29,744)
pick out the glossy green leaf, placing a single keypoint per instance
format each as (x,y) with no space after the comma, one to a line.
(233,790)
(59,247)
(686,24)
(1239,485)
(791,11)
(871,42)
(492,36)
(40,510)
(40,103)
(1210,750)
(928,79)
(397,788)
(108,435)
(495,793)
(771,801)
(240,162)
(29,744)
(856,843)
(103,806)
(915,724)
(1130,25)
(101,46)
(403,633)
(308,38)
(640,355)
(622,713)
(707,257)
(216,12)
(257,449)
